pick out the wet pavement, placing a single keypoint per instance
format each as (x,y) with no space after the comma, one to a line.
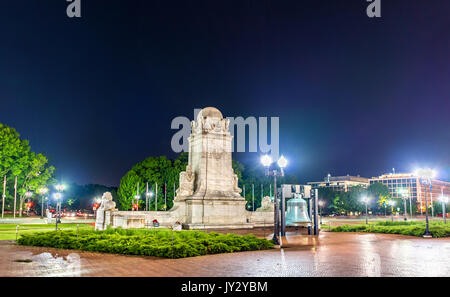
(330,254)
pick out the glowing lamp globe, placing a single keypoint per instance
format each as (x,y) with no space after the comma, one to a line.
(43,191)
(266,160)
(282,162)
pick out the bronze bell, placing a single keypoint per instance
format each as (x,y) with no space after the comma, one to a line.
(297,212)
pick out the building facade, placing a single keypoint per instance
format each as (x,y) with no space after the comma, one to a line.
(409,185)
(341,183)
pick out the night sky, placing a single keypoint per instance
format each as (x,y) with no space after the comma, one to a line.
(354,95)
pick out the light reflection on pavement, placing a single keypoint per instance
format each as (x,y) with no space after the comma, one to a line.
(330,254)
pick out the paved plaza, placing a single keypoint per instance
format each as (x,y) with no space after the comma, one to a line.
(330,254)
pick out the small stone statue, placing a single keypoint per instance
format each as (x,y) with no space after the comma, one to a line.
(235,184)
(186,182)
(266,204)
(107,203)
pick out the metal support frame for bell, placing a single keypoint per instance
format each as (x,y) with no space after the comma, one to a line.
(297,212)
(313,203)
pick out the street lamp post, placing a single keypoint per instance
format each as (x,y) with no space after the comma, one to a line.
(444,201)
(366,199)
(392,203)
(282,163)
(404,193)
(28,195)
(58,196)
(137,197)
(148,195)
(321,203)
(425,176)
(42,191)
(405,211)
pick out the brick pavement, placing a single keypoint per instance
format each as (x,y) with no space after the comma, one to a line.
(330,254)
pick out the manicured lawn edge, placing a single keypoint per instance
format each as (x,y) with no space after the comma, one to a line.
(402,228)
(147,242)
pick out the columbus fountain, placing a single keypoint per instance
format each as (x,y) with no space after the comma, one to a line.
(208,195)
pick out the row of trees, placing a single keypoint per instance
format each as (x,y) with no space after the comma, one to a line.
(17,161)
(340,202)
(165,173)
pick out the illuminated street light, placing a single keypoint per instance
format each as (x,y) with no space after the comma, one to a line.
(42,191)
(60,187)
(28,195)
(137,197)
(148,195)
(392,203)
(58,197)
(266,160)
(321,204)
(425,175)
(405,195)
(444,200)
(366,200)
(282,162)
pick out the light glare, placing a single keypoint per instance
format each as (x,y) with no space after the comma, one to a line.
(282,162)
(266,160)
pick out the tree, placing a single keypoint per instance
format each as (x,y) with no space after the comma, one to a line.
(338,204)
(16,159)
(327,195)
(127,190)
(14,152)
(381,193)
(153,170)
(37,174)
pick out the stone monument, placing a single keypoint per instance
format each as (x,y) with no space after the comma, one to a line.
(102,217)
(208,195)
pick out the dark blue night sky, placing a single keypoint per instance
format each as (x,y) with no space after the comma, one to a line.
(354,95)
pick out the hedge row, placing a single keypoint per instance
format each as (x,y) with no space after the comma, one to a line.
(147,242)
(403,228)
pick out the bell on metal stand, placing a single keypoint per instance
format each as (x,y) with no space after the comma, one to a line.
(297,212)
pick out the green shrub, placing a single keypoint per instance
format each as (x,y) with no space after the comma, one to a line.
(147,242)
(438,229)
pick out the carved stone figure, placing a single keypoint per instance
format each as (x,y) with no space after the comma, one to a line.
(187,179)
(107,203)
(235,184)
(266,204)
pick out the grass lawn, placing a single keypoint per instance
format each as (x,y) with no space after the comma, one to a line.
(148,242)
(8,231)
(415,228)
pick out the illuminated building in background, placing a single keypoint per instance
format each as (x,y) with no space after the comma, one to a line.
(397,183)
(341,183)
